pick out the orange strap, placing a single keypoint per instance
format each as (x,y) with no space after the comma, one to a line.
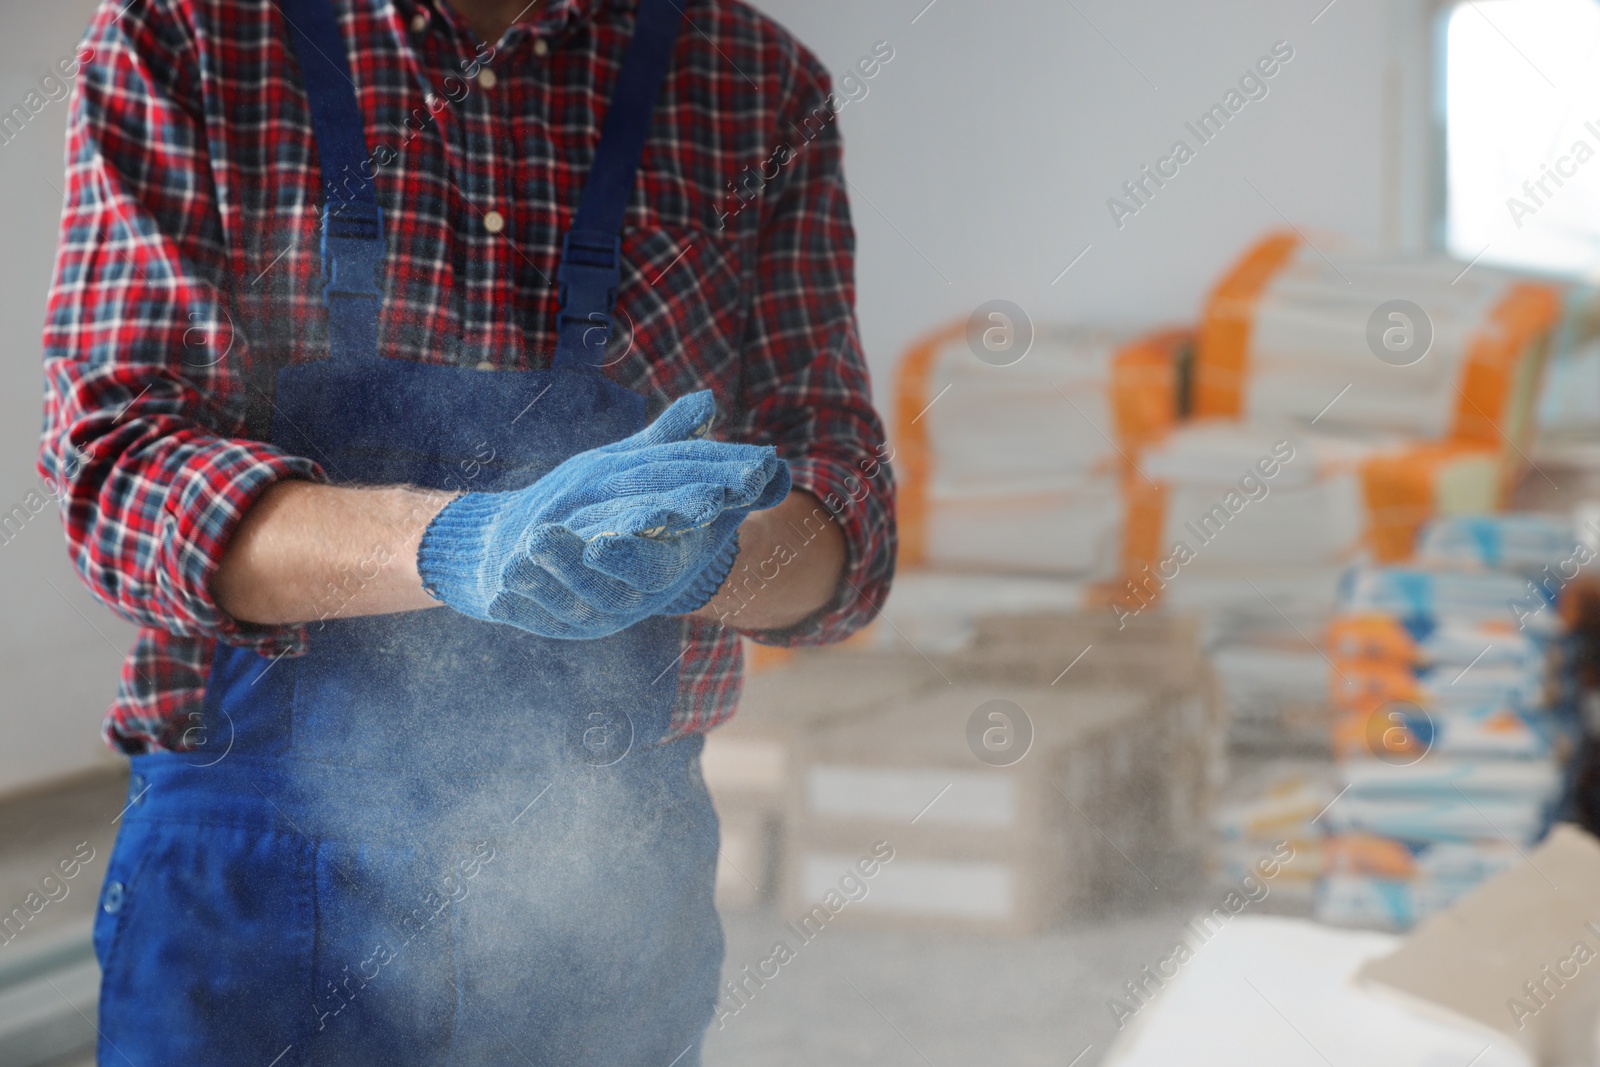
(1144,521)
(1144,403)
(913,457)
(1508,345)
(1223,349)
(1401,491)
(1144,517)
(1144,388)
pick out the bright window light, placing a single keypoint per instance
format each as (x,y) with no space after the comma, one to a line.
(1522,123)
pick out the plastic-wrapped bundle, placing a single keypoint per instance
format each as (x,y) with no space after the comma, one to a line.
(1019,467)
(1245,493)
(1276,692)
(1426,641)
(1282,805)
(1461,596)
(1517,541)
(1497,731)
(1239,499)
(1385,857)
(1455,727)
(1285,333)
(1460,779)
(1387,903)
(1359,684)
(1273,814)
(1446,816)
(1047,526)
(1380,881)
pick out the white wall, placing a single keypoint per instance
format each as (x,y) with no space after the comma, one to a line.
(992,141)
(982,159)
(59,650)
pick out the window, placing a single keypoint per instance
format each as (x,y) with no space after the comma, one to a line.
(1522,134)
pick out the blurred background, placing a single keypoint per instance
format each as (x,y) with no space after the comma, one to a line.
(1242,369)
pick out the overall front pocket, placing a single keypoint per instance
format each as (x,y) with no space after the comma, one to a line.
(204,935)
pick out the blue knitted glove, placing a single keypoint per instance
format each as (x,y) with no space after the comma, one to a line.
(645,526)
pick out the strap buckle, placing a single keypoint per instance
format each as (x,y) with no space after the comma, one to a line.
(588,279)
(352,249)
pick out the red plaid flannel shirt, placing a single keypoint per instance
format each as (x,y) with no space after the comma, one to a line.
(188,272)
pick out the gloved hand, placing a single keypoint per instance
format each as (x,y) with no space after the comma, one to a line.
(645,526)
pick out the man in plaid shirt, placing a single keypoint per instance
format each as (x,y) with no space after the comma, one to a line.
(190,290)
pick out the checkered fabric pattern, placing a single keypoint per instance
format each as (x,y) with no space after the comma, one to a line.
(188,272)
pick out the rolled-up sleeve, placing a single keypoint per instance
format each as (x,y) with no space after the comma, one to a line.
(145,396)
(806,389)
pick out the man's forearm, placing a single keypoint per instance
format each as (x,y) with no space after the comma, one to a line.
(790,560)
(307,551)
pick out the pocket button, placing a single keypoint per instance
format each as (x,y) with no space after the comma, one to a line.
(113,898)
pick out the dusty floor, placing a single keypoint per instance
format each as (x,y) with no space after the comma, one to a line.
(883,999)
(918,999)
(852,996)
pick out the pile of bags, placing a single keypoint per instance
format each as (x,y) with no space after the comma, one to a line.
(1229,502)
(1287,331)
(1275,811)
(1089,453)
(1236,470)
(1455,716)
(1317,453)
(1019,467)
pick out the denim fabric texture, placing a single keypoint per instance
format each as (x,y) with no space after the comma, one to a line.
(646,526)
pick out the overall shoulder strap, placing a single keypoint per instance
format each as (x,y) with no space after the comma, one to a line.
(591,252)
(353,245)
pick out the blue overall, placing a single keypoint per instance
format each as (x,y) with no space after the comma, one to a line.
(430,840)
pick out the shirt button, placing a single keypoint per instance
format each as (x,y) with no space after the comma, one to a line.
(419,22)
(113,898)
(484,364)
(541,47)
(431,101)
(486,78)
(494,222)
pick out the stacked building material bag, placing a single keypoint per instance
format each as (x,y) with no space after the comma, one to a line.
(1273,809)
(1295,381)
(1322,431)
(1225,502)
(1251,525)
(1287,331)
(749,762)
(1019,467)
(1456,717)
